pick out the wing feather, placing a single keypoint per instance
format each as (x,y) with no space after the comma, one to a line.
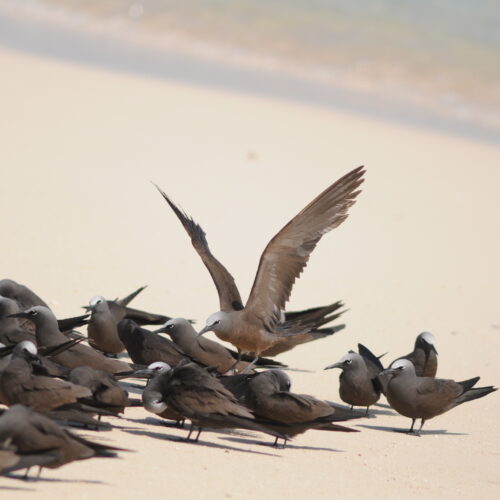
(288,252)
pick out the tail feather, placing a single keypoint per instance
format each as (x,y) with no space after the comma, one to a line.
(475,393)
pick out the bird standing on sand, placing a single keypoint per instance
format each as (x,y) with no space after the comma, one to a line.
(30,433)
(424,355)
(426,397)
(105,316)
(193,392)
(48,334)
(359,382)
(268,396)
(255,327)
(296,328)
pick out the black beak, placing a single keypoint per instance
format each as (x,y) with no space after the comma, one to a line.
(19,315)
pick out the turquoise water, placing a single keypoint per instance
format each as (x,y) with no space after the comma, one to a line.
(435,56)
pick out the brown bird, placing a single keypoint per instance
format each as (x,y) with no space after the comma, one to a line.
(359,381)
(199,349)
(30,433)
(106,392)
(145,347)
(199,396)
(256,327)
(48,334)
(152,398)
(268,396)
(18,384)
(426,397)
(296,327)
(105,316)
(424,355)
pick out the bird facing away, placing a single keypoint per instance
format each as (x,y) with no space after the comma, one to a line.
(424,355)
(145,347)
(31,433)
(359,384)
(294,330)
(105,316)
(204,351)
(18,384)
(106,392)
(426,397)
(197,395)
(48,334)
(255,327)
(268,396)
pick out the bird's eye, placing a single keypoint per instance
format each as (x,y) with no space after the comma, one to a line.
(348,361)
(400,368)
(216,322)
(33,313)
(169,327)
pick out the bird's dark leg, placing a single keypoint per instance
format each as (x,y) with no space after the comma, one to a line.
(198,435)
(421,425)
(366,414)
(99,418)
(39,472)
(275,444)
(190,432)
(352,406)
(249,367)
(237,362)
(413,420)
(26,474)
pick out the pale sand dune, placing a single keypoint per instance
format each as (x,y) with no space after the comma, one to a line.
(78,147)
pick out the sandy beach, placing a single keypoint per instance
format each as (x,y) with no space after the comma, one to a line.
(79,147)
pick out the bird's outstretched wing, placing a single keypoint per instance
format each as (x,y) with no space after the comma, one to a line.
(229,296)
(288,252)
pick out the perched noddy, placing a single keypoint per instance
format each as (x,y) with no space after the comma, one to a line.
(152,394)
(32,433)
(426,397)
(199,396)
(359,382)
(11,461)
(106,392)
(268,396)
(145,347)
(424,355)
(105,316)
(48,334)
(200,349)
(18,384)
(255,328)
(294,235)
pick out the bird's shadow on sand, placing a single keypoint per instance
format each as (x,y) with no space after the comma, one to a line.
(178,439)
(423,432)
(288,445)
(35,480)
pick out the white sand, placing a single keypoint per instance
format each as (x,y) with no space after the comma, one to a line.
(78,147)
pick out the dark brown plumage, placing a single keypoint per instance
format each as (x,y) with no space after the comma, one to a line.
(31,433)
(145,347)
(105,316)
(18,384)
(255,328)
(426,397)
(359,383)
(48,334)
(423,356)
(197,395)
(268,396)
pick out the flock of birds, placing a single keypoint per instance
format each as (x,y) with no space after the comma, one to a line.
(50,380)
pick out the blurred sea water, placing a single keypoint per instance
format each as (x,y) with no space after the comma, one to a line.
(434,61)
